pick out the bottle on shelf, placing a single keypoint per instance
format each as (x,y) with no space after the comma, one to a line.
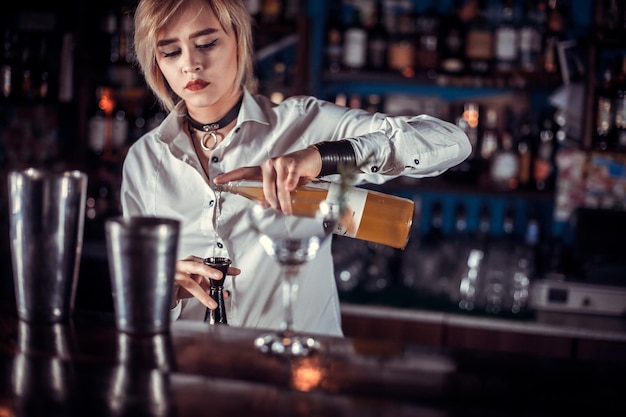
(126,36)
(27,87)
(452,45)
(334,46)
(543,166)
(556,16)
(119,128)
(504,171)
(354,53)
(111,32)
(97,123)
(469,121)
(376,217)
(427,27)
(377,41)
(8,63)
(506,41)
(603,137)
(620,120)
(524,153)
(620,103)
(531,37)
(108,125)
(489,137)
(479,41)
(401,52)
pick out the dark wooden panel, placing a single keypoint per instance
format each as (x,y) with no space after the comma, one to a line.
(396,330)
(604,350)
(508,342)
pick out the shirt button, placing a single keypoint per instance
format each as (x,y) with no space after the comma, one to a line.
(211,203)
(374,168)
(219,245)
(237,130)
(416,161)
(215,159)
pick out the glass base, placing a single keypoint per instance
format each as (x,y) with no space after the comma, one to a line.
(283,344)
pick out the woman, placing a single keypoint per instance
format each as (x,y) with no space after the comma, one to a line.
(196,55)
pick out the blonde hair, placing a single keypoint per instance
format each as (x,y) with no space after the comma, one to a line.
(153,15)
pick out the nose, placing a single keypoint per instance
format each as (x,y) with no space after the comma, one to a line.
(191,64)
(191,67)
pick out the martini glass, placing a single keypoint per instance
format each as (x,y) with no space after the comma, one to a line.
(292,241)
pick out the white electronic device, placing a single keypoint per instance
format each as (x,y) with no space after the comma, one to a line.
(578,297)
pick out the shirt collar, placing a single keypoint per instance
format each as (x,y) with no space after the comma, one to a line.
(251,111)
(171,128)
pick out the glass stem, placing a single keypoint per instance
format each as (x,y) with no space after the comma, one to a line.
(290,290)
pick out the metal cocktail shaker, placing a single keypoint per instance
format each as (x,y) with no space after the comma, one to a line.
(47,214)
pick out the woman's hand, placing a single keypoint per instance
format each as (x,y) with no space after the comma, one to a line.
(192,280)
(279,175)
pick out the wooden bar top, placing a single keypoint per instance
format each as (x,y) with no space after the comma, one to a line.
(87,368)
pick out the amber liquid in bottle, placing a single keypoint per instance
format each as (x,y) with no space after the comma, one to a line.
(383,218)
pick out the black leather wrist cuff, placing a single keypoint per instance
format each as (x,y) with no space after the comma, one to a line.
(336,155)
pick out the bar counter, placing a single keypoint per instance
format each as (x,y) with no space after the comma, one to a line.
(86,368)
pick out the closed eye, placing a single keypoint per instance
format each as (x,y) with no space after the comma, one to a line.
(207,45)
(170,54)
(177,52)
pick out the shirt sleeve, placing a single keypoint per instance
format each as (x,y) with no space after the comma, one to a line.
(131,189)
(390,146)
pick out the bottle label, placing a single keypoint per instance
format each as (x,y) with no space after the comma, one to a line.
(355,203)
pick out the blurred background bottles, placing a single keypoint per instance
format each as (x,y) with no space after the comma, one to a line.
(470,37)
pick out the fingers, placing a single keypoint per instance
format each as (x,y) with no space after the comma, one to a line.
(270,184)
(233,271)
(244,173)
(196,290)
(280,176)
(191,278)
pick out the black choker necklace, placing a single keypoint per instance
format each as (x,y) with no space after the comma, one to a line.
(211,128)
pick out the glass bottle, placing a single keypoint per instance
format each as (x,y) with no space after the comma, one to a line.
(524,153)
(376,217)
(620,120)
(427,40)
(8,63)
(111,30)
(505,164)
(604,112)
(531,38)
(452,45)
(355,43)
(489,139)
(543,164)
(334,46)
(401,49)
(506,41)
(378,41)
(479,42)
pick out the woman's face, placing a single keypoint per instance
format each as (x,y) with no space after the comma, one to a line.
(199,59)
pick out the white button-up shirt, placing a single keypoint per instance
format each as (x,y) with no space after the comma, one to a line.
(162,176)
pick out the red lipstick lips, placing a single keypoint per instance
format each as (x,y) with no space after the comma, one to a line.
(196,85)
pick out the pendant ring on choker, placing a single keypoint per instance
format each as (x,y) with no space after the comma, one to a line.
(204,140)
(210,129)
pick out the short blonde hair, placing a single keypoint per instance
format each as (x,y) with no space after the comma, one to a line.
(153,15)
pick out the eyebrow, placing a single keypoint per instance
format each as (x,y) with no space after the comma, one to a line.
(208,31)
